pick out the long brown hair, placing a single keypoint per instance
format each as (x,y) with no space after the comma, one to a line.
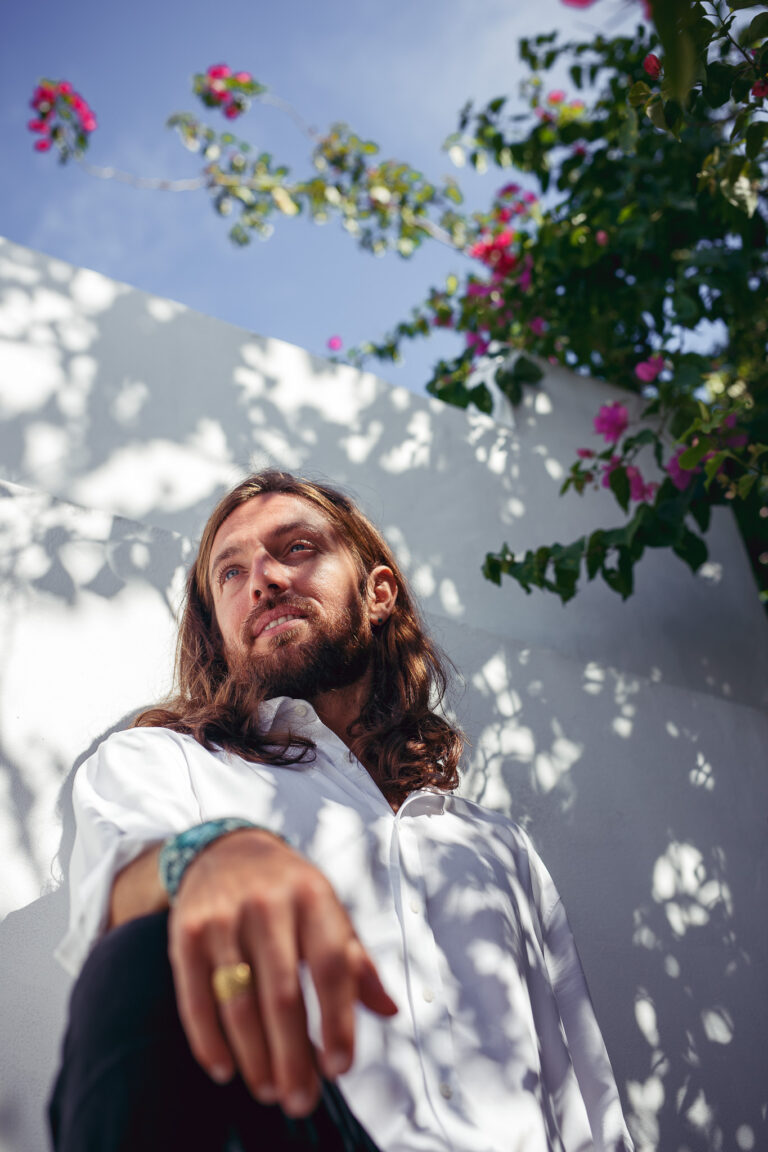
(399,737)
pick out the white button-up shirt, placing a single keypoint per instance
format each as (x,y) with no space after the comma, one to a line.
(495,1047)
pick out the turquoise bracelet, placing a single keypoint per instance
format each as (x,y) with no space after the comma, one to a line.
(179,851)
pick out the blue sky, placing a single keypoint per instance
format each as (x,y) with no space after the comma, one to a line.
(397,72)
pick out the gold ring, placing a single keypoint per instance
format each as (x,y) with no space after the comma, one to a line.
(230,980)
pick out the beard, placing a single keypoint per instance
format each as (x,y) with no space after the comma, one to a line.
(335,655)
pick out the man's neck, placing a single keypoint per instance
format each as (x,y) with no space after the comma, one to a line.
(339,708)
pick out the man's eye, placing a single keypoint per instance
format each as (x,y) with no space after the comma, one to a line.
(299,544)
(226,573)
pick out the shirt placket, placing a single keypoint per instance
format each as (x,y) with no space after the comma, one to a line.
(426,990)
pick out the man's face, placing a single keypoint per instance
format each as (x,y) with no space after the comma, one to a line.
(287,600)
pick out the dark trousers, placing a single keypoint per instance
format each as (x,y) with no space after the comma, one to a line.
(129,1083)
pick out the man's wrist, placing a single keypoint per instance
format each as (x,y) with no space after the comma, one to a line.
(182,849)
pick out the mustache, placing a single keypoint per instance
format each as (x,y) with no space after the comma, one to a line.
(258,610)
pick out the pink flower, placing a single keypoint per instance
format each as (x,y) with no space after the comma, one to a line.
(219,71)
(601,237)
(494,252)
(88,123)
(608,468)
(42,145)
(652,65)
(65,87)
(648,370)
(335,343)
(585,453)
(579,150)
(37,126)
(636,483)
(578,3)
(538,325)
(530,197)
(508,190)
(232,110)
(524,279)
(477,342)
(760,90)
(243,77)
(577,105)
(680,477)
(638,489)
(648,9)
(43,94)
(478,288)
(611,421)
(556,97)
(504,215)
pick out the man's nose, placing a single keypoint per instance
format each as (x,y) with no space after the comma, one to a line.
(268,576)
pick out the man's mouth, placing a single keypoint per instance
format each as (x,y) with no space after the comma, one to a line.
(276,620)
(276,623)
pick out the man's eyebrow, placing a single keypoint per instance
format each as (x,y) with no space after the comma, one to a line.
(278,533)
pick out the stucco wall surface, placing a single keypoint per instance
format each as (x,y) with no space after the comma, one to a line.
(628,738)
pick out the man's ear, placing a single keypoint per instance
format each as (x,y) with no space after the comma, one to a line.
(381,594)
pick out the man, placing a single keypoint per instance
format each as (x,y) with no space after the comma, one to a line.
(342,928)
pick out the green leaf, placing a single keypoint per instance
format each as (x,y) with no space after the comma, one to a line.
(509,385)
(567,566)
(692,549)
(526,370)
(701,510)
(742,193)
(758,29)
(621,578)
(595,553)
(481,398)
(646,436)
(618,482)
(755,137)
(670,17)
(745,484)
(654,110)
(691,457)
(714,464)
(717,88)
(638,93)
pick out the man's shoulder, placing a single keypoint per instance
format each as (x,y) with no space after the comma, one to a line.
(146,743)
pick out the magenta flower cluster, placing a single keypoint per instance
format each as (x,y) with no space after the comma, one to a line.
(58,106)
(221,87)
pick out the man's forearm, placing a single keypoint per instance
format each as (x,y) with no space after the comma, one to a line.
(137,890)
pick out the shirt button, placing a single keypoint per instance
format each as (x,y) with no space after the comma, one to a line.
(445,1091)
(301,710)
(428,994)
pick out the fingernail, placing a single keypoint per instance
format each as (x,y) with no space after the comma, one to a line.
(220,1073)
(335,1063)
(266,1093)
(299,1103)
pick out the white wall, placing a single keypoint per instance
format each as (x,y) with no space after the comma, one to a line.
(629,738)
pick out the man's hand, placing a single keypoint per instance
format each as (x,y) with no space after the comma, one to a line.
(250,897)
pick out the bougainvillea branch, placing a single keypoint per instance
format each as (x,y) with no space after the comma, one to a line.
(623,224)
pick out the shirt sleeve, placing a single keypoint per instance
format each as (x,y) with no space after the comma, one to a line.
(133,792)
(589,1056)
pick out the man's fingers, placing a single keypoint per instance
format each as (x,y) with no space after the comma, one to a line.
(197,1008)
(342,973)
(371,992)
(242,1022)
(270,937)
